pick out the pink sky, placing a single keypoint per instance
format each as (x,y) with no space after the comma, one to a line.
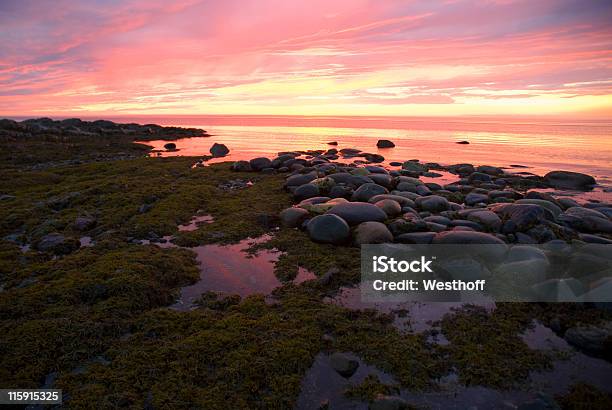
(332,57)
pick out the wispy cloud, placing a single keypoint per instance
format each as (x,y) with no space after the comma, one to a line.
(316,57)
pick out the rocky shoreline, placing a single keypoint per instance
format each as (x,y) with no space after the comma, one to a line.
(362,203)
(41,127)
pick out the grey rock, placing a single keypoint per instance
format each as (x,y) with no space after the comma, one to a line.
(260,163)
(241,166)
(357,212)
(293,217)
(554,209)
(391,207)
(416,237)
(569,180)
(473,198)
(432,203)
(385,144)
(219,150)
(524,216)
(475,238)
(328,229)
(489,219)
(306,191)
(372,233)
(367,191)
(300,179)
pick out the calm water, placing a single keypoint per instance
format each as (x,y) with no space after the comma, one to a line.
(540,146)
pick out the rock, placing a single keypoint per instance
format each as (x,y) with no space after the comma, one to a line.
(591,338)
(385,144)
(241,166)
(566,203)
(586,220)
(340,191)
(170,146)
(486,218)
(414,166)
(57,243)
(489,170)
(462,142)
(588,238)
(406,224)
(350,151)
(523,216)
(554,209)
(569,180)
(332,143)
(84,223)
(392,208)
(467,238)
(219,150)
(416,237)
(473,198)
(325,184)
(367,191)
(293,217)
(382,402)
(260,163)
(300,179)
(479,177)
(432,203)
(375,158)
(403,201)
(357,212)
(328,229)
(306,191)
(382,179)
(372,232)
(343,364)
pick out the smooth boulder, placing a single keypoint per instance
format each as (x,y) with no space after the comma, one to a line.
(372,233)
(357,212)
(569,180)
(219,150)
(328,229)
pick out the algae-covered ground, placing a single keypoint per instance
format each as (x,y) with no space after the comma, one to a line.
(95,321)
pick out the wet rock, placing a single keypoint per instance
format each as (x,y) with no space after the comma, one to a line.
(241,166)
(344,364)
(551,207)
(523,216)
(588,238)
(390,207)
(591,338)
(462,142)
(489,170)
(300,179)
(350,151)
(442,220)
(407,224)
(382,179)
(219,150)
(385,144)
(586,220)
(375,158)
(84,223)
(458,237)
(293,217)
(461,169)
(324,184)
(328,228)
(416,237)
(332,143)
(414,166)
(340,191)
(371,233)
(260,163)
(474,198)
(569,180)
(306,191)
(57,243)
(479,177)
(566,203)
(488,219)
(367,191)
(432,203)
(357,212)
(171,146)
(403,201)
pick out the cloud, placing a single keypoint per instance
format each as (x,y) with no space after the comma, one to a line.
(195,56)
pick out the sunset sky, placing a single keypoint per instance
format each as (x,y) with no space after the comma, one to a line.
(315,57)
